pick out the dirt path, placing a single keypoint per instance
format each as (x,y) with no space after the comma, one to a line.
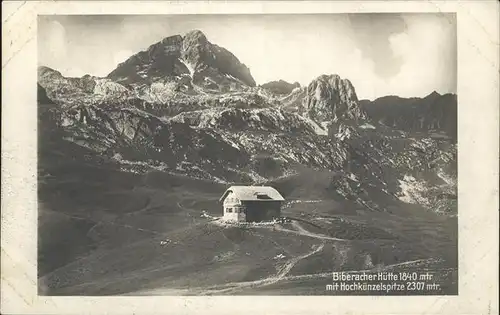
(292,262)
(237,286)
(301,231)
(282,272)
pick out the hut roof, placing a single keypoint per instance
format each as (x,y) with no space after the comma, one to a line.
(253,193)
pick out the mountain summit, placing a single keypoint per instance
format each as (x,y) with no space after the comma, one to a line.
(191,59)
(331,98)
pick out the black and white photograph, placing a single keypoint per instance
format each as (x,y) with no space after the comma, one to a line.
(247,154)
(250,157)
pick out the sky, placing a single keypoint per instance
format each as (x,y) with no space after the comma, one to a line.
(409,55)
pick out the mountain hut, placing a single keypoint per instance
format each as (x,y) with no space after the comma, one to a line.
(251,203)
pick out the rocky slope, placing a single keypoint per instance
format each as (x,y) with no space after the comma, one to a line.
(226,136)
(433,112)
(230,144)
(87,90)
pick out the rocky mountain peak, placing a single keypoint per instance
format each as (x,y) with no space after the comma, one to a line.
(331,98)
(196,36)
(212,63)
(196,49)
(175,57)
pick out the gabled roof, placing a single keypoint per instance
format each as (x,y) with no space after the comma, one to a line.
(249,193)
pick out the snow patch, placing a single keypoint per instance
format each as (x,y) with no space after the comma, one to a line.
(233,78)
(367,126)
(353,177)
(446,178)
(411,190)
(226,139)
(279,257)
(319,130)
(188,66)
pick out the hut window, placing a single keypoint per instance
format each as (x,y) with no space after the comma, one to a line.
(263,196)
(229,210)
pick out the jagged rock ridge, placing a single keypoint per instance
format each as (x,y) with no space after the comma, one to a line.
(433,112)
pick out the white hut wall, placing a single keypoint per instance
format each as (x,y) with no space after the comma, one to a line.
(233,208)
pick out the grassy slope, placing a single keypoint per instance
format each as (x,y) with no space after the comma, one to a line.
(112,242)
